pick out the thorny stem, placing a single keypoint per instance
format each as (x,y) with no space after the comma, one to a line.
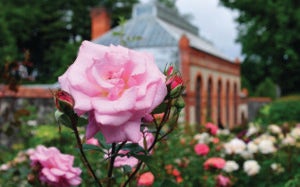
(114,153)
(85,160)
(156,139)
(111,164)
(133,173)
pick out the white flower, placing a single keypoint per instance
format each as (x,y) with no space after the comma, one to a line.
(295,132)
(231,166)
(202,138)
(251,167)
(5,167)
(246,154)
(277,168)
(32,123)
(223,132)
(252,147)
(288,141)
(252,130)
(266,147)
(234,146)
(274,166)
(264,137)
(275,129)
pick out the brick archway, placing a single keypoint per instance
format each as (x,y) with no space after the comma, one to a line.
(209,100)
(227,100)
(198,100)
(219,102)
(235,103)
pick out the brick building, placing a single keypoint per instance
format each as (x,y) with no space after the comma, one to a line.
(212,80)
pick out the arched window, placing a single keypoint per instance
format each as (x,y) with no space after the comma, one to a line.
(235,98)
(219,103)
(198,100)
(227,104)
(209,100)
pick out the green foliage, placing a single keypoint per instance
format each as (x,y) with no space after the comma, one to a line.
(285,109)
(246,84)
(268,32)
(50,31)
(267,88)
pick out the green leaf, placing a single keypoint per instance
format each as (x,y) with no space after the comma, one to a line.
(149,161)
(88,147)
(99,136)
(127,169)
(63,119)
(82,121)
(133,148)
(169,183)
(160,109)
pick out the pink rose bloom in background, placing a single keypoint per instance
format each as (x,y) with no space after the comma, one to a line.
(214,162)
(201,149)
(116,86)
(92,141)
(213,129)
(56,168)
(146,179)
(223,181)
(132,161)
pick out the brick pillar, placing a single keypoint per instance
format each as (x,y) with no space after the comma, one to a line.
(184,45)
(100,22)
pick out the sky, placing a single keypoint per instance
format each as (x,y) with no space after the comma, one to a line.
(215,23)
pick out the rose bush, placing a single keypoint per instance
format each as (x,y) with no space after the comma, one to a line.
(116,86)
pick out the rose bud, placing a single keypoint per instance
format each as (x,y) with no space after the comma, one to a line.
(174,82)
(64,101)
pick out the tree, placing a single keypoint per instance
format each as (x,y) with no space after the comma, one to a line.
(267,88)
(269,34)
(51,31)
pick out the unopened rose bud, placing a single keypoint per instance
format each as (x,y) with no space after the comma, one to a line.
(169,71)
(64,101)
(174,82)
(180,103)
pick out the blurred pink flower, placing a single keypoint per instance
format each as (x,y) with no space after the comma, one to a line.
(56,169)
(223,181)
(116,86)
(176,172)
(146,179)
(92,141)
(214,162)
(201,149)
(213,129)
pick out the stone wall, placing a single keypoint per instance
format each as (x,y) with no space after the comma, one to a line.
(42,108)
(254,104)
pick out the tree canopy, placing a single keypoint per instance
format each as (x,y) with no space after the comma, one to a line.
(269,34)
(50,30)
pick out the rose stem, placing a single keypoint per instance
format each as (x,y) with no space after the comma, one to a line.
(86,162)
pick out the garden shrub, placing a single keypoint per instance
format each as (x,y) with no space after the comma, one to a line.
(267,88)
(286,109)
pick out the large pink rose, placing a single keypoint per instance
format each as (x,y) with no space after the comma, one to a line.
(214,162)
(201,149)
(223,181)
(213,129)
(116,86)
(56,169)
(146,179)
